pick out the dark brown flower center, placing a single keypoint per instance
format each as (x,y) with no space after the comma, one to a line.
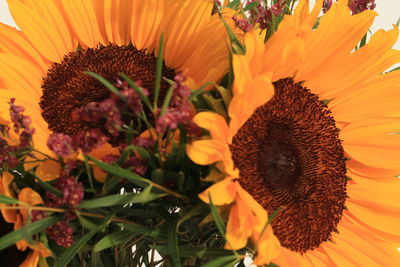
(67,87)
(290,157)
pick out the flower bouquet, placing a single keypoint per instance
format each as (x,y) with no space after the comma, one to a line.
(198,133)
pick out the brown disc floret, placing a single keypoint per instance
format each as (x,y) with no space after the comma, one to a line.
(290,157)
(66,87)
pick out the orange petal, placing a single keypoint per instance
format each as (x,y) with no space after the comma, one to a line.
(32,260)
(31,198)
(99,153)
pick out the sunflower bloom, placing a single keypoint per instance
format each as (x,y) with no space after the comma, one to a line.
(312,135)
(42,65)
(19,217)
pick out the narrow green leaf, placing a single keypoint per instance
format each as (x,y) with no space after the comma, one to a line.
(107,84)
(222,261)
(96,260)
(113,239)
(47,186)
(67,256)
(217,218)
(89,173)
(137,89)
(114,200)
(144,230)
(8,200)
(121,172)
(225,93)
(398,22)
(398,68)
(167,99)
(33,228)
(363,41)
(196,210)
(87,223)
(157,82)
(195,252)
(272,265)
(250,6)
(173,243)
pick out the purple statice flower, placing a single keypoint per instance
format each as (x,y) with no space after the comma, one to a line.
(242,24)
(62,233)
(90,140)
(61,144)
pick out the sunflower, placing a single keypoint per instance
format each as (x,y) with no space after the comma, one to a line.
(313,139)
(42,65)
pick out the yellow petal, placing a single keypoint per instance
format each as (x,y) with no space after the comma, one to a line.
(214,123)
(268,247)
(205,152)
(47,37)
(238,230)
(221,193)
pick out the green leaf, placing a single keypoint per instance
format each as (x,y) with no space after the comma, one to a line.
(234,4)
(250,6)
(144,230)
(67,256)
(195,252)
(173,243)
(217,218)
(112,240)
(159,68)
(223,261)
(8,200)
(33,228)
(216,104)
(87,223)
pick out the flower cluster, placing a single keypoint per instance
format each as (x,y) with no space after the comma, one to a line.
(22,128)
(71,196)
(180,110)
(263,15)
(356,6)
